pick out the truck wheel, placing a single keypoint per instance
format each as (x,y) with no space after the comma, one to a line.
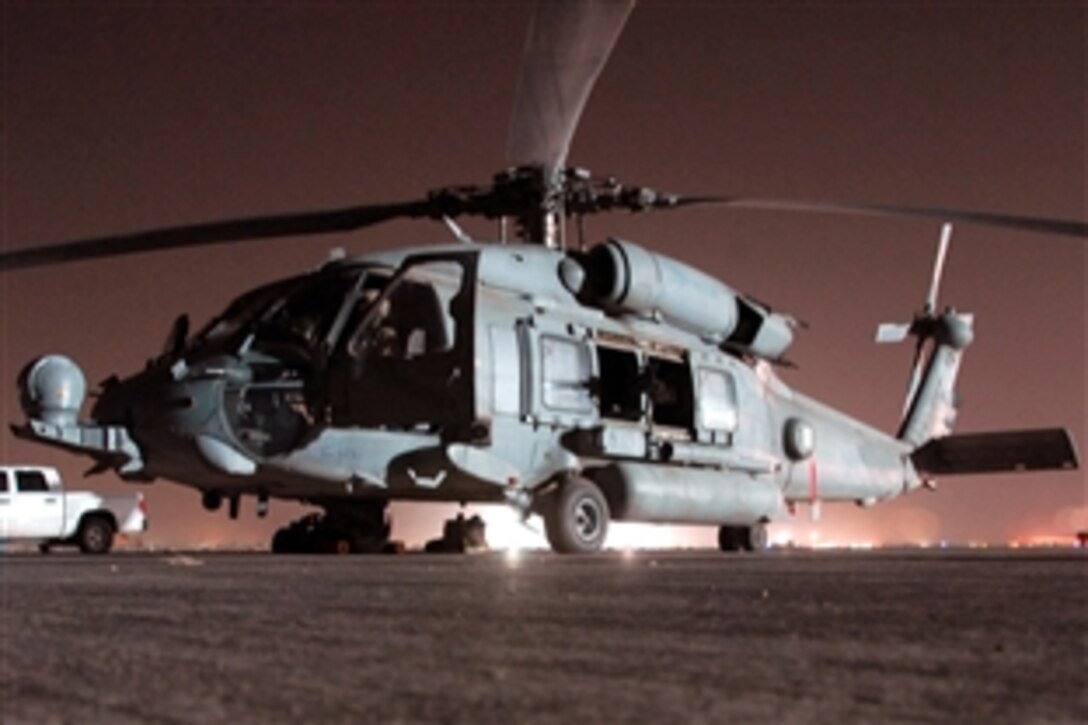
(45,547)
(95,536)
(576,521)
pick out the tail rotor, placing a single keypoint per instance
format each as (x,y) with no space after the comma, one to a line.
(929,408)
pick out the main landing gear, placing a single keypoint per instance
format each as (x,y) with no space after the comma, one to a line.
(575,516)
(460,536)
(743,538)
(357,527)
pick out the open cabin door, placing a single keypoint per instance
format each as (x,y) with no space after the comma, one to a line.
(406,360)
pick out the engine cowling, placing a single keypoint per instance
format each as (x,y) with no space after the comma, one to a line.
(622,277)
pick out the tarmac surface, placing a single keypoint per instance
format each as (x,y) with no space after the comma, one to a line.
(790,636)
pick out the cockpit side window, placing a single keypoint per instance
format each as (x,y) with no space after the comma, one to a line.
(411,319)
(406,357)
(304,315)
(242,312)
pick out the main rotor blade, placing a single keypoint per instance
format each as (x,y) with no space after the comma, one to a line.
(1007,221)
(569,42)
(196,235)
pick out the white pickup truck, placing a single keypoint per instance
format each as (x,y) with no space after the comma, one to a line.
(34,506)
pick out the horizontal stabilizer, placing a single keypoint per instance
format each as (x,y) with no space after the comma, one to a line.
(892,332)
(1005,451)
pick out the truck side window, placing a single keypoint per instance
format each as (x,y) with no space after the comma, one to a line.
(31,481)
(717,400)
(3,481)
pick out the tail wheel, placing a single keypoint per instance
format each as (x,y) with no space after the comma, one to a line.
(576,521)
(728,540)
(95,535)
(757,538)
(743,538)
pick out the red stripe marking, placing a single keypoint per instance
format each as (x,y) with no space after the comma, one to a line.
(813,481)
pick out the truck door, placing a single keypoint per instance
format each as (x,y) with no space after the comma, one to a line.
(37,511)
(5,504)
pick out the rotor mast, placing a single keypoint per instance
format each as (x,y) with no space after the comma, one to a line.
(542,218)
(568,44)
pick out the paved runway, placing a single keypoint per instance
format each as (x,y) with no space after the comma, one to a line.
(646,637)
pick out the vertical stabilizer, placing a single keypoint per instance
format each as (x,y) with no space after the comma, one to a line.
(931,404)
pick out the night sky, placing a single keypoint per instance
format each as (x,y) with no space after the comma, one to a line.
(124,116)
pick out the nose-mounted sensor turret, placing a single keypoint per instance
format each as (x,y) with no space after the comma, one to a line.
(53,389)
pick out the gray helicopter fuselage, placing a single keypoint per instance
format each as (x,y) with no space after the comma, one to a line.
(514,380)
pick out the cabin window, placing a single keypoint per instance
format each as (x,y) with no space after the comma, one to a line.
(668,384)
(3,482)
(31,481)
(717,400)
(619,386)
(566,372)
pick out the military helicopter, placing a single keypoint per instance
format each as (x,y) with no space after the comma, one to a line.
(583,383)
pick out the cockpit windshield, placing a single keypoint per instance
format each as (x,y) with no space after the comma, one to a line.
(300,310)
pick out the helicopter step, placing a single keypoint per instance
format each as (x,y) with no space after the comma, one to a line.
(359,527)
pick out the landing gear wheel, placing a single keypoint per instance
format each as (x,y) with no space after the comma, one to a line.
(211,500)
(756,539)
(285,541)
(728,540)
(95,536)
(345,528)
(576,517)
(743,538)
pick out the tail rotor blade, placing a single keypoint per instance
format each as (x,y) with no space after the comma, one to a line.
(938,268)
(892,332)
(915,375)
